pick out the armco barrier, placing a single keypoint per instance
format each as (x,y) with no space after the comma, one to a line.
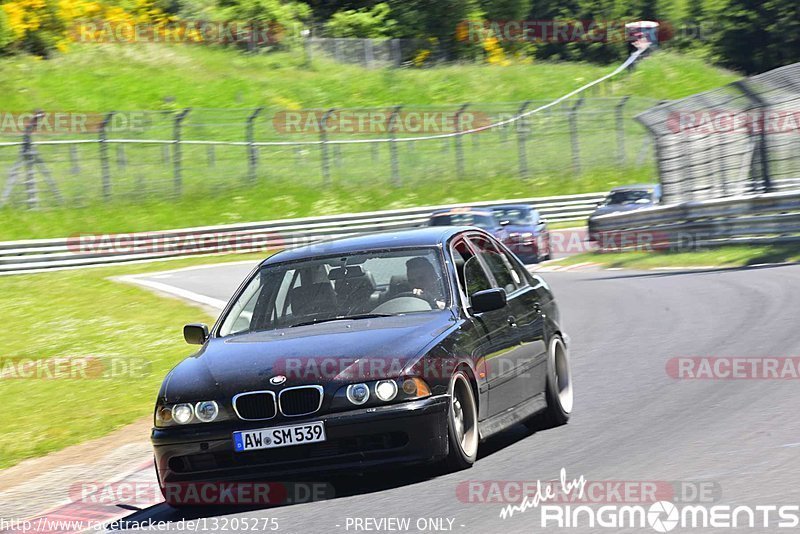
(769,218)
(87,250)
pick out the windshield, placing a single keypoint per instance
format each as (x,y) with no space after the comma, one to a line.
(480,220)
(379,283)
(628,197)
(520,216)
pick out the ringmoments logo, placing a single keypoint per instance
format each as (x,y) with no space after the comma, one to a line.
(660,516)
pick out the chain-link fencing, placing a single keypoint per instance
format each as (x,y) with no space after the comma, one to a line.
(739,139)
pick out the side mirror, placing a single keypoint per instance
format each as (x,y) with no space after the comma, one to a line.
(195,334)
(488,300)
(505,222)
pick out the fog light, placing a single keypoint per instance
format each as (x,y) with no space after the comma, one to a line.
(358,393)
(206,411)
(182,413)
(386,390)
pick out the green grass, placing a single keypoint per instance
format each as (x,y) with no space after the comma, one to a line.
(724,256)
(289,182)
(291,200)
(133,77)
(81,314)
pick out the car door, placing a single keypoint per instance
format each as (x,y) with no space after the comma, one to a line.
(523,371)
(493,336)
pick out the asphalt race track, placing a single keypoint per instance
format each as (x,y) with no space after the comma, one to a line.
(632,421)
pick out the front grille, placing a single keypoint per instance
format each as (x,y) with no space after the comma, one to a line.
(301,400)
(350,448)
(255,405)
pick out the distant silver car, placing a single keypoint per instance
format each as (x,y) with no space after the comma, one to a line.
(625,198)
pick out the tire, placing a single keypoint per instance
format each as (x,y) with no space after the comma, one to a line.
(558,392)
(462,423)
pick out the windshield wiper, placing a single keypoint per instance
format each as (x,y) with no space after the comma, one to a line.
(344,318)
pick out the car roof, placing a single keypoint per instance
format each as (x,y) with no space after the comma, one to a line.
(634,187)
(514,206)
(457,211)
(427,236)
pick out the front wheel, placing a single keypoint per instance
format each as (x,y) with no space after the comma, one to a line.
(559,393)
(462,423)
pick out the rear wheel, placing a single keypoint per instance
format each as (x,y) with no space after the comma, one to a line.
(462,427)
(559,393)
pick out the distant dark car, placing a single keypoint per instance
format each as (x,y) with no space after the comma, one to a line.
(528,236)
(480,218)
(396,348)
(625,198)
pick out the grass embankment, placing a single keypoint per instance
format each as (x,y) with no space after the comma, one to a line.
(136,77)
(82,314)
(289,182)
(725,256)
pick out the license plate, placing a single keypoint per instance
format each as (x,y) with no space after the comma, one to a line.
(278,436)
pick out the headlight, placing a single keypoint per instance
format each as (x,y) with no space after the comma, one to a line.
(185,413)
(386,390)
(182,413)
(379,392)
(206,411)
(358,393)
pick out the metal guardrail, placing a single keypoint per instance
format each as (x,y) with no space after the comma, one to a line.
(769,218)
(103,249)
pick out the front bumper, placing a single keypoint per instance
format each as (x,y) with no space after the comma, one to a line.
(403,433)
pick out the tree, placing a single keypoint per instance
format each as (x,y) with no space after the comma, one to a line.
(363,23)
(758,35)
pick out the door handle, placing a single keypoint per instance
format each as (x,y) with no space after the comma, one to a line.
(512,321)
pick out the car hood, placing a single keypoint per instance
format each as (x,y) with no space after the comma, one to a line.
(337,351)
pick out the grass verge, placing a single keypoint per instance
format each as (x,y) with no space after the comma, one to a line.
(78,314)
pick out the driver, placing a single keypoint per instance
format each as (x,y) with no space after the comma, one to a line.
(424,281)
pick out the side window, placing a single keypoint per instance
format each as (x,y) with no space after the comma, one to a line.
(499,264)
(471,276)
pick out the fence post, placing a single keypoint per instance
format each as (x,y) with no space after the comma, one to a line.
(105,167)
(178,152)
(397,52)
(759,104)
(323,139)
(252,154)
(29,157)
(573,135)
(369,53)
(393,145)
(458,142)
(620,122)
(75,167)
(522,138)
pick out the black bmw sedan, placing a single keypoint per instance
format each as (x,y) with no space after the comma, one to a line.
(396,348)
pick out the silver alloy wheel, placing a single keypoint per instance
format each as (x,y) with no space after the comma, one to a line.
(464,414)
(562,375)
